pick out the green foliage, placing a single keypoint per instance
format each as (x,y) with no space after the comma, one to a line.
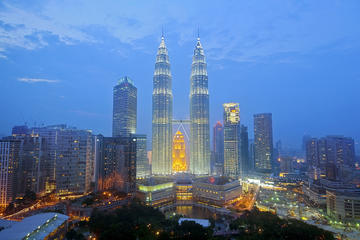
(10,209)
(73,235)
(265,225)
(15,206)
(29,196)
(88,201)
(142,222)
(192,230)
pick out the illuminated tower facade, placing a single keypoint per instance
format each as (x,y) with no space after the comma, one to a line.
(218,148)
(232,166)
(199,114)
(263,142)
(179,153)
(162,103)
(124,108)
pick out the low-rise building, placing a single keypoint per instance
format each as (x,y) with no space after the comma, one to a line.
(343,205)
(45,226)
(156,192)
(216,191)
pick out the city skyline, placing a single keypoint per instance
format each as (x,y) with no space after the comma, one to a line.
(282,71)
(172,120)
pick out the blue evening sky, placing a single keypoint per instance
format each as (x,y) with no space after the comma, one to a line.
(299,60)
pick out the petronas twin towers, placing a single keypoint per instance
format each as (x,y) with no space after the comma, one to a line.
(162,113)
(162,109)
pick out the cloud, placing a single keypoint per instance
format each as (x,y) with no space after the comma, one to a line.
(238,30)
(37,80)
(2,53)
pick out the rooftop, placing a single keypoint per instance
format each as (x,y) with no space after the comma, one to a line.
(126,79)
(216,180)
(34,227)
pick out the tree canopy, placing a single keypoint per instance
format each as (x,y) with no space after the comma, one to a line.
(265,225)
(137,221)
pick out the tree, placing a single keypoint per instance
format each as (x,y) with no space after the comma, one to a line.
(73,235)
(137,221)
(29,196)
(265,225)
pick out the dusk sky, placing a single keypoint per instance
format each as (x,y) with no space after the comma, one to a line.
(299,60)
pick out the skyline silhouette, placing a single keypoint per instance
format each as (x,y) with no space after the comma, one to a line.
(288,61)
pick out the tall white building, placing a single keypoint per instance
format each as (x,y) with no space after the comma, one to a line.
(162,113)
(199,114)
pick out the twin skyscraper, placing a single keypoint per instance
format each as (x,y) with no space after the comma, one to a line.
(162,114)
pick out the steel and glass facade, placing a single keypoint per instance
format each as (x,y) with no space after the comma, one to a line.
(73,161)
(199,114)
(263,142)
(330,154)
(232,166)
(142,162)
(162,107)
(116,163)
(218,148)
(9,170)
(244,150)
(124,108)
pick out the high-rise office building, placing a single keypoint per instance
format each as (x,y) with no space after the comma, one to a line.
(312,152)
(341,150)
(305,139)
(277,153)
(142,162)
(54,157)
(218,148)
(244,150)
(124,108)
(263,142)
(328,155)
(73,161)
(9,170)
(232,166)
(251,155)
(199,114)
(50,134)
(162,104)
(32,168)
(115,163)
